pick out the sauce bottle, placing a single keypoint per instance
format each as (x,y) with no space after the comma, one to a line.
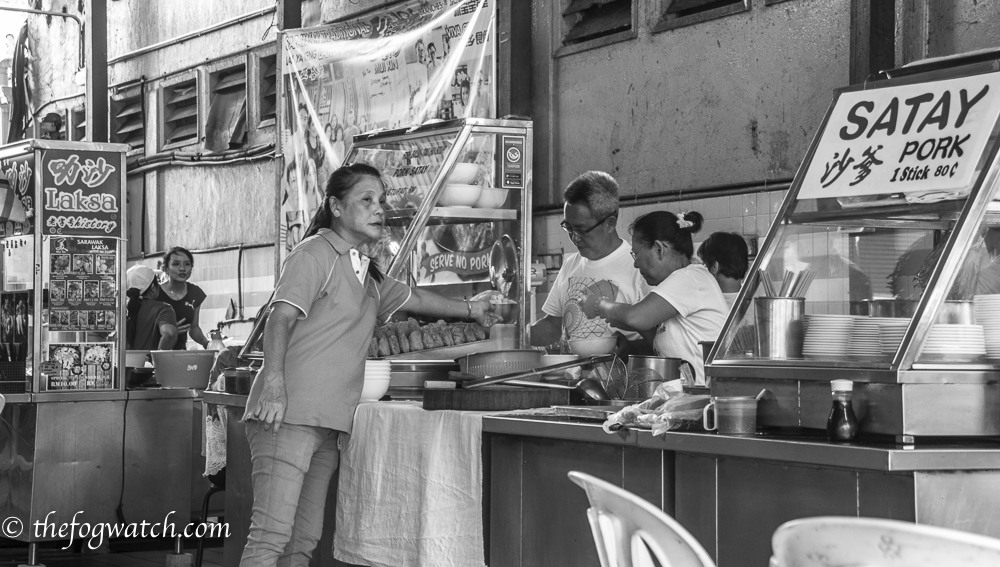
(842,424)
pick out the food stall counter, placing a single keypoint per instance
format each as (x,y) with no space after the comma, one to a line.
(730,492)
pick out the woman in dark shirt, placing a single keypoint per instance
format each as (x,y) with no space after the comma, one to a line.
(186,298)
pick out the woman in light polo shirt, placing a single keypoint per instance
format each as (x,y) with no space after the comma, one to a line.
(323,314)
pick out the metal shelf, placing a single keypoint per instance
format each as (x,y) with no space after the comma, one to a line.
(451,215)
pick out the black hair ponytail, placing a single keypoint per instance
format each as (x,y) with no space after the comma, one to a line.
(664,226)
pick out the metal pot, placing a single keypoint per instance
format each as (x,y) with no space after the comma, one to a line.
(888,308)
(955,312)
(645,373)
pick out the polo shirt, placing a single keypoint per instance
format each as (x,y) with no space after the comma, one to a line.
(325,362)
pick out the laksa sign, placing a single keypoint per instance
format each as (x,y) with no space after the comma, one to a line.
(913,138)
(81,193)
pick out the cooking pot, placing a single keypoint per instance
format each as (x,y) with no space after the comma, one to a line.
(955,312)
(886,307)
(645,373)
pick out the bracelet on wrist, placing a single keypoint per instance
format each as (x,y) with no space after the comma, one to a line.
(468,304)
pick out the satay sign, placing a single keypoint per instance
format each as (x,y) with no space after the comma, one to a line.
(80,193)
(923,137)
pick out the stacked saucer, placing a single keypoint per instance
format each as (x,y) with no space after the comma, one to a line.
(890,333)
(864,340)
(827,336)
(988,315)
(956,341)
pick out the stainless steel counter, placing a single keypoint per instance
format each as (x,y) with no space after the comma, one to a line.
(103,396)
(224,399)
(731,493)
(811,450)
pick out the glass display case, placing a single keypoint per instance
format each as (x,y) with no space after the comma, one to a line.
(458,199)
(883,264)
(62,227)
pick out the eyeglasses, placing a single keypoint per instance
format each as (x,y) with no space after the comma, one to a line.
(575,232)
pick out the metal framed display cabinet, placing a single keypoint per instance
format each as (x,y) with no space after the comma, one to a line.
(454,190)
(63,267)
(883,264)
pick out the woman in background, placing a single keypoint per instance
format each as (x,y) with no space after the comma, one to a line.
(726,255)
(685,303)
(185,297)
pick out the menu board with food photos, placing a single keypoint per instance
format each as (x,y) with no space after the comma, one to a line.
(83,284)
(87,366)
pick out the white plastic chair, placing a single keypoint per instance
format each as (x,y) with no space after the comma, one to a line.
(622,523)
(832,541)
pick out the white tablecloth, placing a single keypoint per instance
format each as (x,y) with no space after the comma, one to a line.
(411,488)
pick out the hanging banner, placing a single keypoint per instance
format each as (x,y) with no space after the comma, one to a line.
(80,191)
(926,137)
(410,63)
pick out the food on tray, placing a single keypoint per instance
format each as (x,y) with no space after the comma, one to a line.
(400,337)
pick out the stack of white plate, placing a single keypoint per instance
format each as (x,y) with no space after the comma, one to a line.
(864,339)
(377,376)
(988,315)
(890,333)
(958,341)
(827,336)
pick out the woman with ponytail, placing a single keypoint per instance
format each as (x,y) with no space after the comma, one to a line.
(323,314)
(151,324)
(685,303)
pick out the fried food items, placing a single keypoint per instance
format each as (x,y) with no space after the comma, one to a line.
(400,337)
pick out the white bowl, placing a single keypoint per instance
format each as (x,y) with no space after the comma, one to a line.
(464,173)
(459,195)
(374,389)
(491,198)
(593,347)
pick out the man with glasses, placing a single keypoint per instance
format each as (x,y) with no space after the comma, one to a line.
(603,267)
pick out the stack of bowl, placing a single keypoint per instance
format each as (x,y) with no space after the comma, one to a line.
(377,376)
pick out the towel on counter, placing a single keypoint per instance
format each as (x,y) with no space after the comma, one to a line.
(411,488)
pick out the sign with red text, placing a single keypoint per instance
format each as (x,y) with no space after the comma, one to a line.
(923,137)
(81,193)
(18,174)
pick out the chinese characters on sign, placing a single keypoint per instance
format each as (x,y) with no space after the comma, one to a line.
(80,193)
(913,138)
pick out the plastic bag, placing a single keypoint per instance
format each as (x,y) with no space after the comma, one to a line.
(660,414)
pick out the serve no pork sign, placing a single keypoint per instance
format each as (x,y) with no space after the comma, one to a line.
(921,137)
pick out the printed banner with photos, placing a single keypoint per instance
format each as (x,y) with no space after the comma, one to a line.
(83,290)
(395,68)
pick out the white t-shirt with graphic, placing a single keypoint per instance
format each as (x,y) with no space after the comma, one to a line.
(613,276)
(701,312)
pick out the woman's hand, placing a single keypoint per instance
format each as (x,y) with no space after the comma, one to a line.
(183,326)
(485,313)
(272,399)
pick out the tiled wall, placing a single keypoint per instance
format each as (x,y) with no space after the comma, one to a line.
(749,215)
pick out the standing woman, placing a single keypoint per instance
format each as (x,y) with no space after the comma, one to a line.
(323,314)
(186,298)
(685,304)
